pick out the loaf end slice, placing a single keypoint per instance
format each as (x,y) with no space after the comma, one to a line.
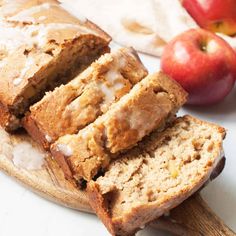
(164,170)
(44,46)
(149,105)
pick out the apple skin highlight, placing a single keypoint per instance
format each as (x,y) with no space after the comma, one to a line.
(203,63)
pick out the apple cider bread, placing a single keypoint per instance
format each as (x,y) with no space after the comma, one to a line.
(164,170)
(73,106)
(148,106)
(41,47)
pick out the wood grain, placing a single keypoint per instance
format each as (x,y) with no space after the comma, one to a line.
(192,218)
(48,181)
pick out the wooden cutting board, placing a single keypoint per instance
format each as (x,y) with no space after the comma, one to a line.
(193,217)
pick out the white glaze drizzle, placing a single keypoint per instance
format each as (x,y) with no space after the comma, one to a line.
(65,149)
(113,83)
(28,157)
(48,138)
(14,38)
(25,15)
(28,65)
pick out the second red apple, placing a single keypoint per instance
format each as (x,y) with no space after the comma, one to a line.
(203,63)
(214,15)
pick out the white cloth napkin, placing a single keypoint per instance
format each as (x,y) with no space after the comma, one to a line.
(147,25)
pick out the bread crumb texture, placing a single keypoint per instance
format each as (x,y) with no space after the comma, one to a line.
(164,170)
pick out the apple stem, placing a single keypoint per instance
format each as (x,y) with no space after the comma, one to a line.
(203,46)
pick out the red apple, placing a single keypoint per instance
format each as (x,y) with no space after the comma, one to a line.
(214,15)
(203,63)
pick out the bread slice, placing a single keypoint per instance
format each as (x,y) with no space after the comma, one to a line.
(148,106)
(71,107)
(42,47)
(159,174)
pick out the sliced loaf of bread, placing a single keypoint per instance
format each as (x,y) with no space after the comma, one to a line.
(73,106)
(42,47)
(157,175)
(148,106)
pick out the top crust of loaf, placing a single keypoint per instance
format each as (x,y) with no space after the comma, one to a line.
(148,106)
(59,26)
(42,42)
(164,170)
(28,12)
(10,8)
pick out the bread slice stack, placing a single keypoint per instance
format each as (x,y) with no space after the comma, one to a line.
(73,106)
(149,105)
(112,128)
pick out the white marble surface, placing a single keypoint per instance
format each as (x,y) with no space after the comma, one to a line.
(24,213)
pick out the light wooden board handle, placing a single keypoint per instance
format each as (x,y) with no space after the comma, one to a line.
(193,217)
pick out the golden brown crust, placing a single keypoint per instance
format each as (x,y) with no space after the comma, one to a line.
(71,107)
(99,205)
(148,106)
(178,95)
(10,12)
(48,46)
(34,131)
(100,32)
(220,129)
(10,122)
(64,165)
